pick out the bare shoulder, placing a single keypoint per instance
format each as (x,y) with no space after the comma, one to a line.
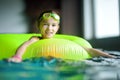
(34,38)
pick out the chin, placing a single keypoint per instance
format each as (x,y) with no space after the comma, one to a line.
(49,36)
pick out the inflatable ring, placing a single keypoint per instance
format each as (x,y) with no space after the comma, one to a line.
(59,48)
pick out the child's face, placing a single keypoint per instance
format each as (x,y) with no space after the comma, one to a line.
(49,27)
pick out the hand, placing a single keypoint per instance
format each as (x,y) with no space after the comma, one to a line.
(15,59)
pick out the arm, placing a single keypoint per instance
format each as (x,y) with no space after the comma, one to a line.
(20,51)
(95,52)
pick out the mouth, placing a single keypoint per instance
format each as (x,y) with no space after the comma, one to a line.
(49,33)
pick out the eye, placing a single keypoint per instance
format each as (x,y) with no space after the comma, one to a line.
(54,25)
(45,24)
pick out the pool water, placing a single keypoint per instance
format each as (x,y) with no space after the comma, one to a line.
(98,68)
(41,69)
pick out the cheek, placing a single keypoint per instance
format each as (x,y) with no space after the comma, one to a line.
(56,29)
(42,29)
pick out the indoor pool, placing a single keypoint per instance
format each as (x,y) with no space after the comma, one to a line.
(98,68)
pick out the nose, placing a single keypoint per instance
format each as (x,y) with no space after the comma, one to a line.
(49,27)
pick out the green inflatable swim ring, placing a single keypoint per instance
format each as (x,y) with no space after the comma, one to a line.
(61,46)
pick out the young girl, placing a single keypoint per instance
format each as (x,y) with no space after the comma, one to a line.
(48,24)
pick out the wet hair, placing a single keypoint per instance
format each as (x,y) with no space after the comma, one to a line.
(40,18)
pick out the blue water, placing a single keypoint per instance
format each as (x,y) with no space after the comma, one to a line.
(41,69)
(58,69)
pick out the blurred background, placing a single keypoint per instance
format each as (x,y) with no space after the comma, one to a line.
(95,20)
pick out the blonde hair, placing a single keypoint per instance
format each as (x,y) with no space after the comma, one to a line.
(40,18)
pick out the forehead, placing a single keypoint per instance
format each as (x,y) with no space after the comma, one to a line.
(49,20)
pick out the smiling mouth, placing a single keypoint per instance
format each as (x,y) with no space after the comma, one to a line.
(49,33)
